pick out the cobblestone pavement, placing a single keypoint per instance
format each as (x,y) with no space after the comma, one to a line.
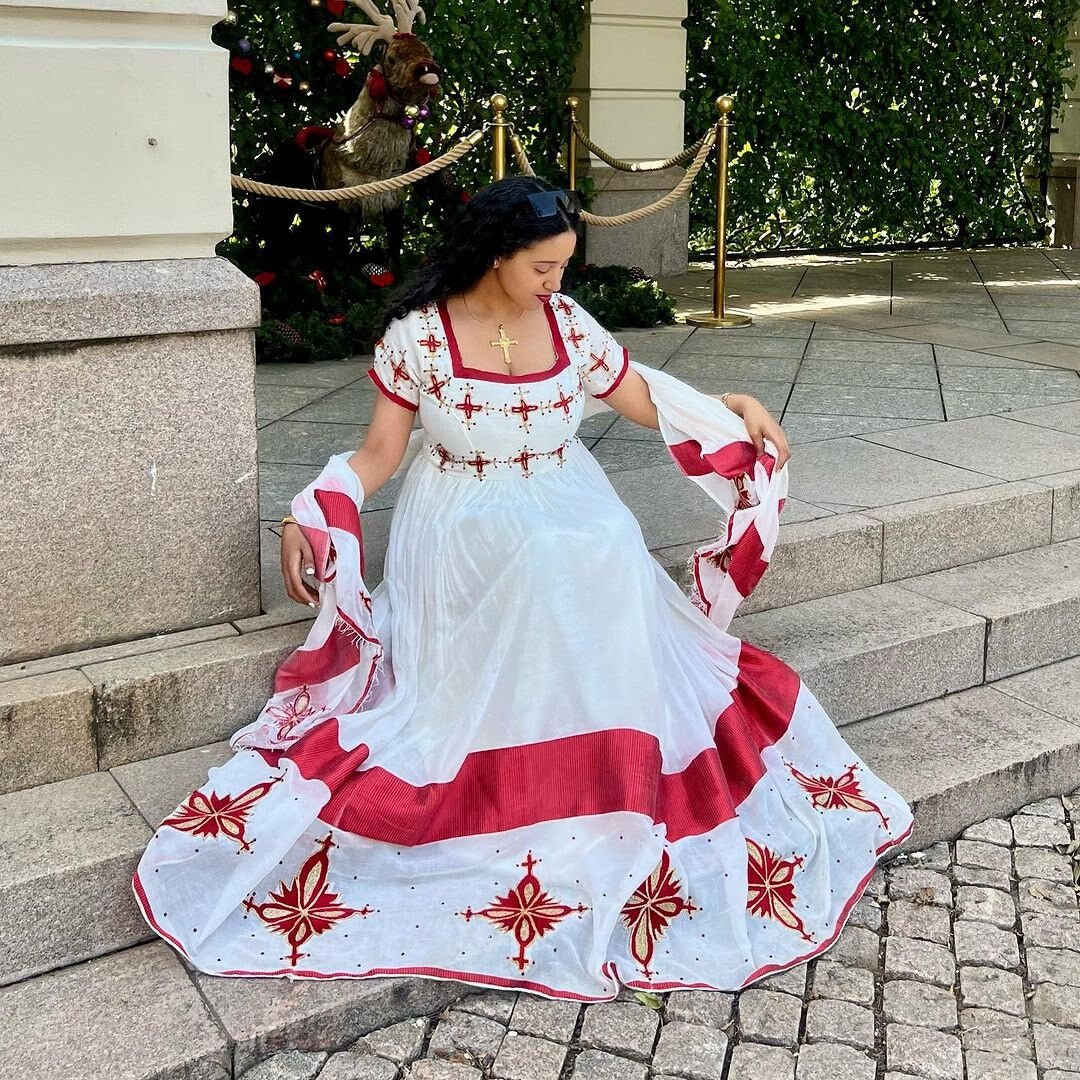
(960,962)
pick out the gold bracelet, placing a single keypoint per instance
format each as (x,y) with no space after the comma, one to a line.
(288,519)
(723,399)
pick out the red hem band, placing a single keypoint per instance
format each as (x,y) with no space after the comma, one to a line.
(397,399)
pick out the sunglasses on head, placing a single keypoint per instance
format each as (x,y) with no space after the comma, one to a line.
(546,203)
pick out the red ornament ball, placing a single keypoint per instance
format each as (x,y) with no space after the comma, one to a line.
(342,67)
(336,8)
(267,277)
(241,65)
(329,55)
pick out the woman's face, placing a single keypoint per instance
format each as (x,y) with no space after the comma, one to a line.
(532,274)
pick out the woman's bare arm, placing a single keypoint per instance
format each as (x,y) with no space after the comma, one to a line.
(384,444)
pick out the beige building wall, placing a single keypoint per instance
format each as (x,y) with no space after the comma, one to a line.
(115,122)
(1065,146)
(630,73)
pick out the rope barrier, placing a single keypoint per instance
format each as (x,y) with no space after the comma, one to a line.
(676,193)
(359,191)
(636,166)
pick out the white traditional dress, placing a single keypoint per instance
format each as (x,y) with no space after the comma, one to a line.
(527,760)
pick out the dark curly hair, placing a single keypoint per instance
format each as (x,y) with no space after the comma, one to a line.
(496,222)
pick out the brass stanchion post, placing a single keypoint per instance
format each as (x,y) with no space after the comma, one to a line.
(498,136)
(718,317)
(571,144)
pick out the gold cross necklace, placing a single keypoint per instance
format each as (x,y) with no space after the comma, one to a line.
(502,342)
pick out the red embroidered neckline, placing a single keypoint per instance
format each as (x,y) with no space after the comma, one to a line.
(461,371)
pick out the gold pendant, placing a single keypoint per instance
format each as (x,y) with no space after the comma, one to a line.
(504,343)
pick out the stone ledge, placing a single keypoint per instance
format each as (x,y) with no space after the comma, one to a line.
(69,850)
(66,1025)
(90,301)
(969,756)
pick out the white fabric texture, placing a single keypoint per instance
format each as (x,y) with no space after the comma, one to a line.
(527,759)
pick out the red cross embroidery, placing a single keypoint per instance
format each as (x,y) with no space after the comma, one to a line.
(444,455)
(400,372)
(575,337)
(467,406)
(431,343)
(558,452)
(563,403)
(563,306)
(523,460)
(435,386)
(523,408)
(478,464)
(601,362)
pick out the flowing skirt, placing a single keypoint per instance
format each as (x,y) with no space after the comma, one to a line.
(569,779)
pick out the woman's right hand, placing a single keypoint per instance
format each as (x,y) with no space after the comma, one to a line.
(298,566)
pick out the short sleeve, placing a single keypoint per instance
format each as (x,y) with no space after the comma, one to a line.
(394,369)
(603,361)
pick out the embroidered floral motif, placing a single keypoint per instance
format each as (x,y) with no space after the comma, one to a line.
(431,343)
(522,410)
(655,902)
(213,815)
(434,385)
(467,406)
(771,887)
(478,465)
(841,792)
(291,714)
(526,911)
(306,906)
(599,362)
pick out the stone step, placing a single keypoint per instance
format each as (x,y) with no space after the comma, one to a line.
(866,649)
(123,703)
(826,555)
(69,849)
(885,647)
(179,1025)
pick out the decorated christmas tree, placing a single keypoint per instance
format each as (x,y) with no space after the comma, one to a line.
(322,269)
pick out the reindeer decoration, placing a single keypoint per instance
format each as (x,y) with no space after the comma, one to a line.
(378,139)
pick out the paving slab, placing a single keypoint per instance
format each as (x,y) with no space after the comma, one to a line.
(1065,417)
(871,650)
(802,427)
(998,446)
(1030,600)
(67,853)
(67,1025)
(293,442)
(968,756)
(866,400)
(964,404)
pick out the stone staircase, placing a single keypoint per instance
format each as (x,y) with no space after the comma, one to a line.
(943,635)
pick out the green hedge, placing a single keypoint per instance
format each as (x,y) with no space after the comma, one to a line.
(863,122)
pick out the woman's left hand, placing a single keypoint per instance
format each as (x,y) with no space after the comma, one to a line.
(761,425)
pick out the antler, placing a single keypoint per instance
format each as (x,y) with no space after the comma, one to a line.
(360,36)
(407,12)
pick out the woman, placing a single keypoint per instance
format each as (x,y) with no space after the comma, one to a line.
(527,760)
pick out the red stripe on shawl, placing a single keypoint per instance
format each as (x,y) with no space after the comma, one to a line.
(747,564)
(309,667)
(618,769)
(341,512)
(735,459)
